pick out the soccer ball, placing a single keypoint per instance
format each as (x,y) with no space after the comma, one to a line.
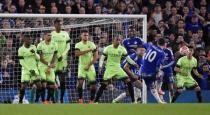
(184,50)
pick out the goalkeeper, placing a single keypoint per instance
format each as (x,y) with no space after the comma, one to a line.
(28,60)
(61,38)
(48,52)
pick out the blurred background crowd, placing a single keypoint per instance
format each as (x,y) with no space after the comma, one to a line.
(181,22)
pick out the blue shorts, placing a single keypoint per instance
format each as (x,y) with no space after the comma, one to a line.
(168,78)
(149,80)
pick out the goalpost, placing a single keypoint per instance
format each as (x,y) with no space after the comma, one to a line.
(101,28)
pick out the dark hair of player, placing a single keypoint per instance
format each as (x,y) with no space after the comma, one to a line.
(140,46)
(84,31)
(57,21)
(161,42)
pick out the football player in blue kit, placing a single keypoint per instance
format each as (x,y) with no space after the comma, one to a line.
(151,65)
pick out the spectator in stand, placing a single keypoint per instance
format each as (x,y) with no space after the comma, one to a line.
(12,9)
(36,6)
(6,5)
(8,49)
(203,12)
(157,14)
(29,9)
(21,8)
(204,82)
(68,9)
(98,9)
(42,9)
(76,6)
(89,8)
(82,10)
(167,9)
(121,7)
(194,25)
(54,10)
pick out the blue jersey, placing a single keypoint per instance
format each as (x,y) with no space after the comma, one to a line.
(168,61)
(131,44)
(133,68)
(152,60)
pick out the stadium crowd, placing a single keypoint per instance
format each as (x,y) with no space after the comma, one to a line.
(181,22)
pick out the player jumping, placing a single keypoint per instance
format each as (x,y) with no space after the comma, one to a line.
(28,58)
(61,38)
(183,69)
(48,53)
(88,55)
(114,54)
(152,61)
(133,73)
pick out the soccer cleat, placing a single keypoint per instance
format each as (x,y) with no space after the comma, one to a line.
(161,92)
(114,101)
(162,102)
(96,103)
(45,102)
(91,101)
(80,101)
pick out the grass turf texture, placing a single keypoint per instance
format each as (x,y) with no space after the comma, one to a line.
(105,109)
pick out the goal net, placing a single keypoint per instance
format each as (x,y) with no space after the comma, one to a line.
(100,27)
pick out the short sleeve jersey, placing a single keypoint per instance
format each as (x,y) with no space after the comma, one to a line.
(61,39)
(187,65)
(27,56)
(114,55)
(47,50)
(86,58)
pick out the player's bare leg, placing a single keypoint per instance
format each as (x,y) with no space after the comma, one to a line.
(171,91)
(62,86)
(130,88)
(38,90)
(80,90)
(33,92)
(22,91)
(51,90)
(198,94)
(44,86)
(100,90)
(92,92)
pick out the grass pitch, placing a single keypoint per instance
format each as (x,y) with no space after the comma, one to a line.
(105,109)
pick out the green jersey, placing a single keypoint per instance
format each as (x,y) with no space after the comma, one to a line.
(114,55)
(28,60)
(186,64)
(47,50)
(86,58)
(63,42)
